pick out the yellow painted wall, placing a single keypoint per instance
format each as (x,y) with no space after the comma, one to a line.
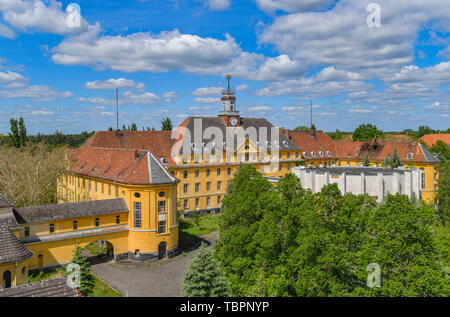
(19,270)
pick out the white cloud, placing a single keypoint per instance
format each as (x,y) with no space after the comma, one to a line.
(359,109)
(120,83)
(293,5)
(207,100)
(42,112)
(163,52)
(144,98)
(7,32)
(11,77)
(208,91)
(98,101)
(341,37)
(217,4)
(328,114)
(280,67)
(242,87)
(37,15)
(260,108)
(170,94)
(36,92)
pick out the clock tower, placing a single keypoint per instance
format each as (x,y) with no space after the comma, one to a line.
(229,113)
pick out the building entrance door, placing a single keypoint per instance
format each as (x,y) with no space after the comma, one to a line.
(7,279)
(162,250)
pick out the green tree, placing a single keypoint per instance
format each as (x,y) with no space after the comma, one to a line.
(366,132)
(204,277)
(22,132)
(86,279)
(133,127)
(301,128)
(13,136)
(443,192)
(166,124)
(366,159)
(441,150)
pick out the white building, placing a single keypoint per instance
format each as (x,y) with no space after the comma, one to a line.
(376,182)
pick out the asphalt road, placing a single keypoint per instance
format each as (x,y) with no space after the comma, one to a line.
(160,279)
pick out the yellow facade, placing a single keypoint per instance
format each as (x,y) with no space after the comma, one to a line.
(145,234)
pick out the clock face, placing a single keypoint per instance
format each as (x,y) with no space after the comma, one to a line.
(233,121)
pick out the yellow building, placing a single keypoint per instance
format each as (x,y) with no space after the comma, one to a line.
(124,198)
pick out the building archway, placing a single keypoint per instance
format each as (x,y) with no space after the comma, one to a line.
(99,251)
(162,250)
(6,279)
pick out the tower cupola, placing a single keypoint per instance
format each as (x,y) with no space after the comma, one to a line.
(229,112)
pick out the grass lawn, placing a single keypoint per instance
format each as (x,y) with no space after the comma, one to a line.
(100,289)
(191,229)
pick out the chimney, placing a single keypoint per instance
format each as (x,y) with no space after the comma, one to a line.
(287,133)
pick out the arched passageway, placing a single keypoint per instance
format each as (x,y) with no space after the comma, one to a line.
(6,279)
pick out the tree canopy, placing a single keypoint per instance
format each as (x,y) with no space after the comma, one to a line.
(366,132)
(166,124)
(285,241)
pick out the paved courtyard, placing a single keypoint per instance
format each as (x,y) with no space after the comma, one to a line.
(160,279)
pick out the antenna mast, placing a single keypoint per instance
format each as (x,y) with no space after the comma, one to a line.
(311,115)
(228,77)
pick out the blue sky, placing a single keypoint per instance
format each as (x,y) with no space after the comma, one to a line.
(168,58)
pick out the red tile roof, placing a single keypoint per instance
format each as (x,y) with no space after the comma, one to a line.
(127,166)
(312,141)
(431,139)
(159,143)
(379,150)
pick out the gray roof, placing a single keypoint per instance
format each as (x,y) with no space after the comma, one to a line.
(55,287)
(356,170)
(70,210)
(11,249)
(4,202)
(229,135)
(428,156)
(158,174)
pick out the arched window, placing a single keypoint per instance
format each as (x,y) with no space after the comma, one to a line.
(6,279)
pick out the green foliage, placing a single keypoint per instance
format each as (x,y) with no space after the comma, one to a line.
(285,241)
(301,128)
(166,124)
(204,277)
(443,192)
(441,150)
(18,135)
(366,132)
(366,159)
(392,160)
(338,135)
(87,279)
(58,139)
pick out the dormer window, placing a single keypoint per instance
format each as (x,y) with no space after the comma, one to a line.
(313,154)
(305,154)
(328,153)
(321,153)
(163,161)
(285,143)
(410,156)
(192,146)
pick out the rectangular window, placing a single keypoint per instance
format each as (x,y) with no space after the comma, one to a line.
(289,167)
(75,225)
(109,190)
(296,154)
(196,173)
(161,226)
(423,181)
(219,183)
(262,168)
(161,206)
(185,204)
(97,222)
(96,187)
(27,231)
(288,155)
(208,200)
(197,187)
(208,186)
(137,214)
(196,203)
(207,172)
(218,172)
(247,157)
(228,171)
(117,220)
(52,228)
(218,200)
(185,188)
(281,167)
(103,188)
(185,174)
